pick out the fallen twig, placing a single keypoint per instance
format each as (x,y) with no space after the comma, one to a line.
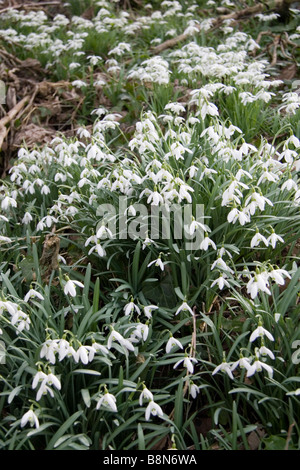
(10,116)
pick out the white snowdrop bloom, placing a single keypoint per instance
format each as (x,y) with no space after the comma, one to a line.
(158,263)
(96,347)
(196,225)
(224,367)
(145,395)
(259,332)
(9,306)
(257,239)
(53,380)
(242,362)
(99,249)
(21,321)
(194,390)
(70,287)
(49,350)
(258,366)
(289,185)
(240,215)
(31,418)
(8,202)
(219,263)
(206,243)
(148,242)
(153,409)
(221,281)
(141,331)
(184,307)
(62,348)
(5,239)
(130,308)
(148,310)
(32,294)
(256,284)
(173,343)
(109,401)
(79,83)
(258,200)
(115,336)
(27,218)
(175,107)
(187,362)
(277,275)
(84,354)
(274,238)
(264,351)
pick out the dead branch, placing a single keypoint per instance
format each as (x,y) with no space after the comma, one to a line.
(10,116)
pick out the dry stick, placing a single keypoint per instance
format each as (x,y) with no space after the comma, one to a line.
(289,435)
(10,116)
(217,21)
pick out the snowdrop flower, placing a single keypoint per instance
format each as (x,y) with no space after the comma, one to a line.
(8,202)
(273,238)
(5,239)
(70,287)
(141,331)
(221,281)
(258,366)
(21,320)
(145,395)
(148,242)
(277,276)
(83,354)
(31,294)
(235,214)
(99,249)
(259,332)
(195,225)
(115,336)
(206,242)
(224,367)
(103,231)
(158,263)
(289,185)
(184,307)
(153,409)
(219,263)
(256,284)
(172,343)
(31,418)
(108,400)
(264,351)
(194,389)
(258,237)
(49,350)
(155,198)
(27,218)
(243,363)
(187,362)
(79,83)
(148,310)
(131,307)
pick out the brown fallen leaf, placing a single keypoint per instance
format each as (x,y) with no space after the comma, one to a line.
(31,135)
(288,72)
